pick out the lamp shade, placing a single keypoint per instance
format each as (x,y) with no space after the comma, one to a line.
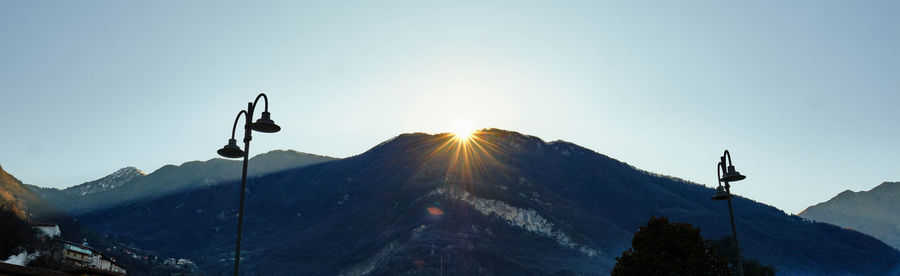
(265,124)
(231,150)
(720,194)
(731,175)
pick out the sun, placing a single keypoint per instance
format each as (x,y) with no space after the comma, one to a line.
(463,133)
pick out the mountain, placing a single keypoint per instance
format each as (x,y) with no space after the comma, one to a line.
(129,184)
(875,212)
(501,203)
(20,207)
(16,196)
(64,198)
(10,190)
(109,182)
(28,206)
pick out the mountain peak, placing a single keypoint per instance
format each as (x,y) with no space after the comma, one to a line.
(111,181)
(289,153)
(845,193)
(129,170)
(494,135)
(491,141)
(872,212)
(892,187)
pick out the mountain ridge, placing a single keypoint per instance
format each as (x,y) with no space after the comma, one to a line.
(873,212)
(503,203)
(111,181)
(171,178)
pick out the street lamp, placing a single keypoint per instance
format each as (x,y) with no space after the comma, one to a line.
(231,150)
(724,193)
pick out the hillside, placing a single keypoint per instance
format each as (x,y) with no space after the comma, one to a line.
(17,197)
(129,184)
(503,203)
(874,212)
(15,233)
(109,182)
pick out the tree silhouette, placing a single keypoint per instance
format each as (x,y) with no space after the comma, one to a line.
(663,248)
(15,234)
(752,267)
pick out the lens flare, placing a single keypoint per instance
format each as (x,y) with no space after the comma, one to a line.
(435,211)
(463,133)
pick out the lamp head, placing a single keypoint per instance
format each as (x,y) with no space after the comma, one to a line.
(732,175)
(231,150)
(720,194)
(265,124)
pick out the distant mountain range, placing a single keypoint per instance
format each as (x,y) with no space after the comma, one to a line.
(503,203)
(875,212)
(129,184)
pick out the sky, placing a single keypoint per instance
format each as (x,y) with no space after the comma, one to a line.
(804,94)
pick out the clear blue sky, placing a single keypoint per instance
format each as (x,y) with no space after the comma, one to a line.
(804,93)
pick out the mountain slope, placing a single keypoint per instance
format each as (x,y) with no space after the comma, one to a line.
(874,212)
(16,196)
(19,207)
(109,182)
(504,203)
(30,207)
(168,179)
(69,197)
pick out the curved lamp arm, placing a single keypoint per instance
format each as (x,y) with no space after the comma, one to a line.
(243,112)
(729,158)
(266,100)
(719,173)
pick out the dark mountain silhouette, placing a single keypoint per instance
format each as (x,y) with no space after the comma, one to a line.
(504,203)
(875,212)
(129,184)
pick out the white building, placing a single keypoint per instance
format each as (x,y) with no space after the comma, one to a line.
(81,255)
(49,230)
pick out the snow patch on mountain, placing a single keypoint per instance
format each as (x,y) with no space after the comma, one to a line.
(527,219)
(109,182)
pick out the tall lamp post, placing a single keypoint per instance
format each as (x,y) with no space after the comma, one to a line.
(231,150)
(724,193)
